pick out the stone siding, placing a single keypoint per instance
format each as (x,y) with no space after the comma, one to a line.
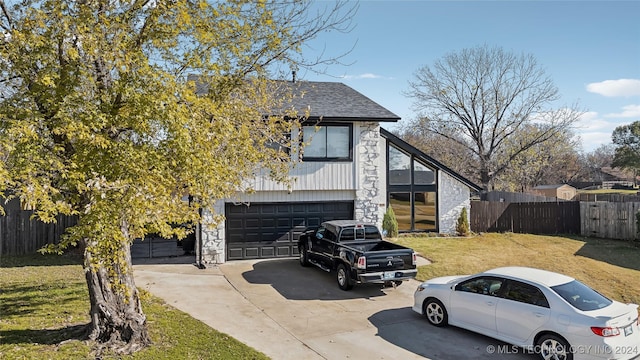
(213,241)
(370,189)
(453,196)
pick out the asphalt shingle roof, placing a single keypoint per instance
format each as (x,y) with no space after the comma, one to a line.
(332,101)
(335,101)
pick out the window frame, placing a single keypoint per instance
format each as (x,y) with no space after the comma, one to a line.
(326,158)
(412,187)
(542,302)
(461,286)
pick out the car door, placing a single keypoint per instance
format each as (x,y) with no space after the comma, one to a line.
(313,242)
(473,304)
(524,309)
(325,245)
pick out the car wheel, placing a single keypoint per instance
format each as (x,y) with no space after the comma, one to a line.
(552,347)
(303,256)
(344,280)
(435,312)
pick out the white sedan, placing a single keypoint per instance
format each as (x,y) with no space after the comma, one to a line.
(547,313)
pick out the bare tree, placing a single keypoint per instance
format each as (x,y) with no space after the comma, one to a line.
(555,161)
(447,151)
(484,96)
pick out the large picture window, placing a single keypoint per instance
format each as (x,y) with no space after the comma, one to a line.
(327,142)
(399,167)
(412,191)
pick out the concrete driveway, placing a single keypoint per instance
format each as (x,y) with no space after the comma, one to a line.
(290,312)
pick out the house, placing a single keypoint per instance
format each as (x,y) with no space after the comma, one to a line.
(351,169)
(560,191)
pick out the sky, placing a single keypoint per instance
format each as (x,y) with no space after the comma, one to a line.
(590,50)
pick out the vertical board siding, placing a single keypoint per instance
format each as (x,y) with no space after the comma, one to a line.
(313,176)
(20,234)
(610,220)
(529,218)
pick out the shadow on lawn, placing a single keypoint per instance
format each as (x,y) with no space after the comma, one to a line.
(621,253)
(45,336)
(68,258)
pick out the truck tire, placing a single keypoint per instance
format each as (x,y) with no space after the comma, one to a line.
(344,278)
(393,283)
(303,256)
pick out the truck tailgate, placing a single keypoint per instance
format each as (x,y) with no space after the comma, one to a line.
(389,260)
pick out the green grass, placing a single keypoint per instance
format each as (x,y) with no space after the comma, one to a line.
(44,303)
(44,308)
(609,266)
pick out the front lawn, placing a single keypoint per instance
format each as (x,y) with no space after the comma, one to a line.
(609,266)
(44,306)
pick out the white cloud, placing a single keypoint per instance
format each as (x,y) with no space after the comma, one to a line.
(594,130)
(590,121)
(629,111)
(620,87)
(364,76)
(593,140)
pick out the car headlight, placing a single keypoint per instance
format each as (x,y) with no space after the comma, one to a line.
(421,287)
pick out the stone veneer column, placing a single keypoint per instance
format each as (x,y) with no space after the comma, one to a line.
(212,237)
(453,196)
(370,164)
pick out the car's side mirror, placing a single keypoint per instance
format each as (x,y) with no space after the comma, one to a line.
(319,236)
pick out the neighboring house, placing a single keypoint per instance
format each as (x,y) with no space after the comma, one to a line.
(617,178)
(560,191)
(351,169)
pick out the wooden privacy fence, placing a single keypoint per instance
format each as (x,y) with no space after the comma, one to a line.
(529,218)
(20,235)
(609,220)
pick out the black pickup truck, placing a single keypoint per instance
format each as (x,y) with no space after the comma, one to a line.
(357,253)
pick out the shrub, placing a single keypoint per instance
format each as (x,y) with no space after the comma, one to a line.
(390,223)
(462,227)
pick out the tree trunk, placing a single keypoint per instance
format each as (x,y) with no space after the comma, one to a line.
(117,320)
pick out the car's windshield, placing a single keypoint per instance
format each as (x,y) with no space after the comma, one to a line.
(581,296)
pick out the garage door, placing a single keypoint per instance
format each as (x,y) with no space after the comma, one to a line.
(268,230)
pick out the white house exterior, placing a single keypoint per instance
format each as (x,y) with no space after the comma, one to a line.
(347,177)
(352,168)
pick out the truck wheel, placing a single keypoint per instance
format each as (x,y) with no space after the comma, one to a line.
(343,277)
(393,284)
(303,256)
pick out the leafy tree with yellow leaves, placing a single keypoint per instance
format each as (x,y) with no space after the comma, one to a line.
(98,119)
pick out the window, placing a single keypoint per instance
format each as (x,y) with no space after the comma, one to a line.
(425,211)
(327,142)
(400,202)
(412,190)
(525,293)
(422,175)
(481,285)
(581,296)
(399,167)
